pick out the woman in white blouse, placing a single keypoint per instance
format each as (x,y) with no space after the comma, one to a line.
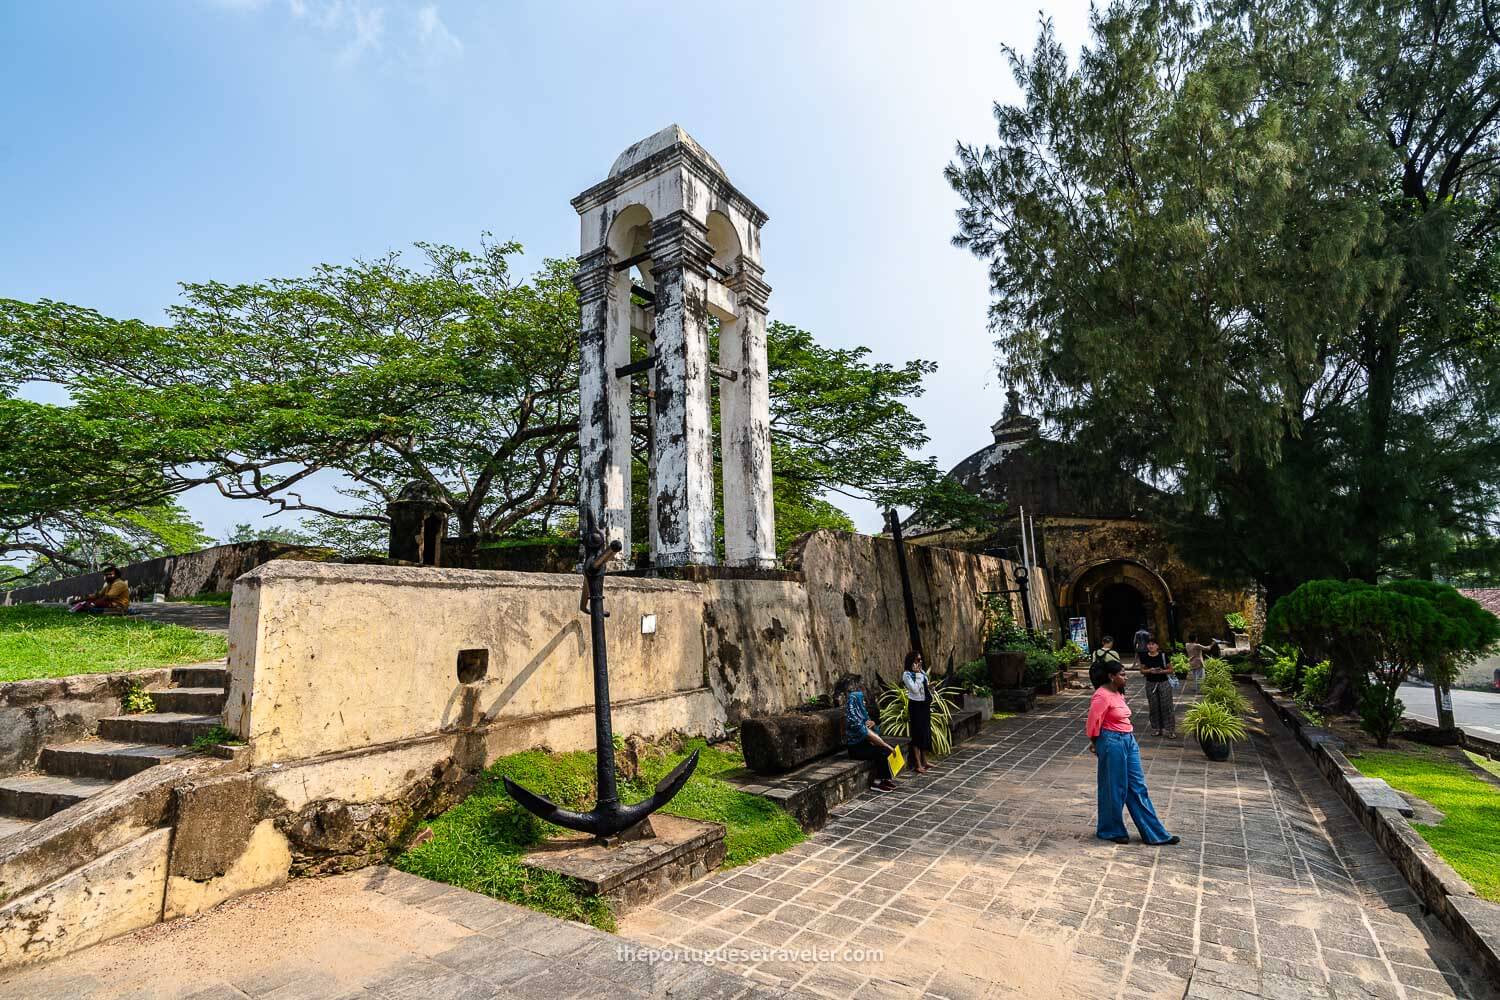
(918,709)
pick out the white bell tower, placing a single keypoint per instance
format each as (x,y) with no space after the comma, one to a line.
(667,246)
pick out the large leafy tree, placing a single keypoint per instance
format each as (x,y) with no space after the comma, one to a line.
(79,488)
(1252,251)
(453,373)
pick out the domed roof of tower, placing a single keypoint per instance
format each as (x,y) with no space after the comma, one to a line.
(672,135)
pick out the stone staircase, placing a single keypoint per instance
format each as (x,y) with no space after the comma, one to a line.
(68,773)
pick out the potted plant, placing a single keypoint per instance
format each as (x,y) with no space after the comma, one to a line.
(1215,726)
(1240,627)
(1041,671)
(1005,662)
(972,680)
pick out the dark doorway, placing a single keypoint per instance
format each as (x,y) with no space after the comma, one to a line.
(1121,611)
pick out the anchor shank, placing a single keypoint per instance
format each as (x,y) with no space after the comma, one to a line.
(604,737)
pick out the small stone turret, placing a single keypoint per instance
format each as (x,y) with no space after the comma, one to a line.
(419,520)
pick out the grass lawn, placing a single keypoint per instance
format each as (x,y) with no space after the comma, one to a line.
(479,842)
(49,642)
(1466,838)
(1489,765)
(213,598)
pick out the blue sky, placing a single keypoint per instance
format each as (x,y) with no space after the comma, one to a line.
(142,144)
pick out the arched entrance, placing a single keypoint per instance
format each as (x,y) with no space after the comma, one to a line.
(1116,596)
(1122,609)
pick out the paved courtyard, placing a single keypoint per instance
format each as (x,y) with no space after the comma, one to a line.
(984,879)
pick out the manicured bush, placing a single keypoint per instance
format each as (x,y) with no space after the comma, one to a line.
(1380,711)
(1180,665)
(1041,667)
(1316,682)
(1375,636)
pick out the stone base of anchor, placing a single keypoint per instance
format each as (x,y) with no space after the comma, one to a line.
(630,873)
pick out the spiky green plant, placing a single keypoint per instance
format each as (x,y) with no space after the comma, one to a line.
(895,720)
(1210,721)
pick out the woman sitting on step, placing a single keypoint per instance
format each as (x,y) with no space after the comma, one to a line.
(862,738)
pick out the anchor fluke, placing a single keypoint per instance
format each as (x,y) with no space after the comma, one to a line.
(606,819)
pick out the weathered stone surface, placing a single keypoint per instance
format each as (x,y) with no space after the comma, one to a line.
(261,860)
(213,569)
(632,874)
(35,713)
(101,823)
(776,743)
(111,895)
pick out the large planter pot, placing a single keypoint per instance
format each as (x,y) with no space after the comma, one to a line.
(1215,749)
(1007,668)
(983,704)
(1242,640)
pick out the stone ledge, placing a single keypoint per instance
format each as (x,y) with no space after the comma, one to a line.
(811,792)
(635,873)
(1476,922)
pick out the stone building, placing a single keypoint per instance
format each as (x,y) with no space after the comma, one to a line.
(1106,558)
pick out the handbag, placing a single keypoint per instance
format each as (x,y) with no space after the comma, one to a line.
(896,760)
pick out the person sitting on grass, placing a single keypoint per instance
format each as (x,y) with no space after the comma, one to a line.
(862,738)
(114,599)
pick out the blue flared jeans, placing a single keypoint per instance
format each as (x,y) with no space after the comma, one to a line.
(1122,785)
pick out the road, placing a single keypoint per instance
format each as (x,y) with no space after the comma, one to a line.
(1470,708)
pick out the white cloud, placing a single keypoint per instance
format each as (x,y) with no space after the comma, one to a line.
(433,35)
(359,29)
(368,25)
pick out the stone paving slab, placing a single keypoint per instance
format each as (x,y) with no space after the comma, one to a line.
(984,879)
(377,934)
(981,879)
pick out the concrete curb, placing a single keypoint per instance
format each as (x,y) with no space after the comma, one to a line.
(1474,921)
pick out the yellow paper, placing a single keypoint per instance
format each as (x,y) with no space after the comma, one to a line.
(897,761)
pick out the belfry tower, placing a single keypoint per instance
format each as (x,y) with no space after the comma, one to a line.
(669,256)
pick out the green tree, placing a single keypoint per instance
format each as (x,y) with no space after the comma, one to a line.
(453,373)
(1250,252)
(80,487)
(1377,636)
(1469,632)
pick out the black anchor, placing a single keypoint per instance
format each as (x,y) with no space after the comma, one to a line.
(608,817)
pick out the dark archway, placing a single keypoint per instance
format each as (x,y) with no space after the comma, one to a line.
(1122,609)
(1116,595)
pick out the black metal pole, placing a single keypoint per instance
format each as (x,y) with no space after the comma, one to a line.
(604,735)
(914,635)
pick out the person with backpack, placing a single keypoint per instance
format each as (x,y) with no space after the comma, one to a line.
(1142,637)
(1099,665)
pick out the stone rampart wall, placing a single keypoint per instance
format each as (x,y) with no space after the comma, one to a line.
(327,657)
(211,570)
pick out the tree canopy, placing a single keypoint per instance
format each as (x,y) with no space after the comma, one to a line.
(1252,251)
(451,371)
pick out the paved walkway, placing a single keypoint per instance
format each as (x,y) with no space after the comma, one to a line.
(206,617)
(984,879)
(376,934)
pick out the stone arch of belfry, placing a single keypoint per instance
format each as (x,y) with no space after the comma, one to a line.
(667,245)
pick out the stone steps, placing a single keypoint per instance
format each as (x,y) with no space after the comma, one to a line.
(169,728)
(37,796)
(105,758)
(126,746)
(190,700)
(201,675)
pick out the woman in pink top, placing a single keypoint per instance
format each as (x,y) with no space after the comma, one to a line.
(1122,780)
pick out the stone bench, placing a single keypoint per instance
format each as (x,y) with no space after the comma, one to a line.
(810,791)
